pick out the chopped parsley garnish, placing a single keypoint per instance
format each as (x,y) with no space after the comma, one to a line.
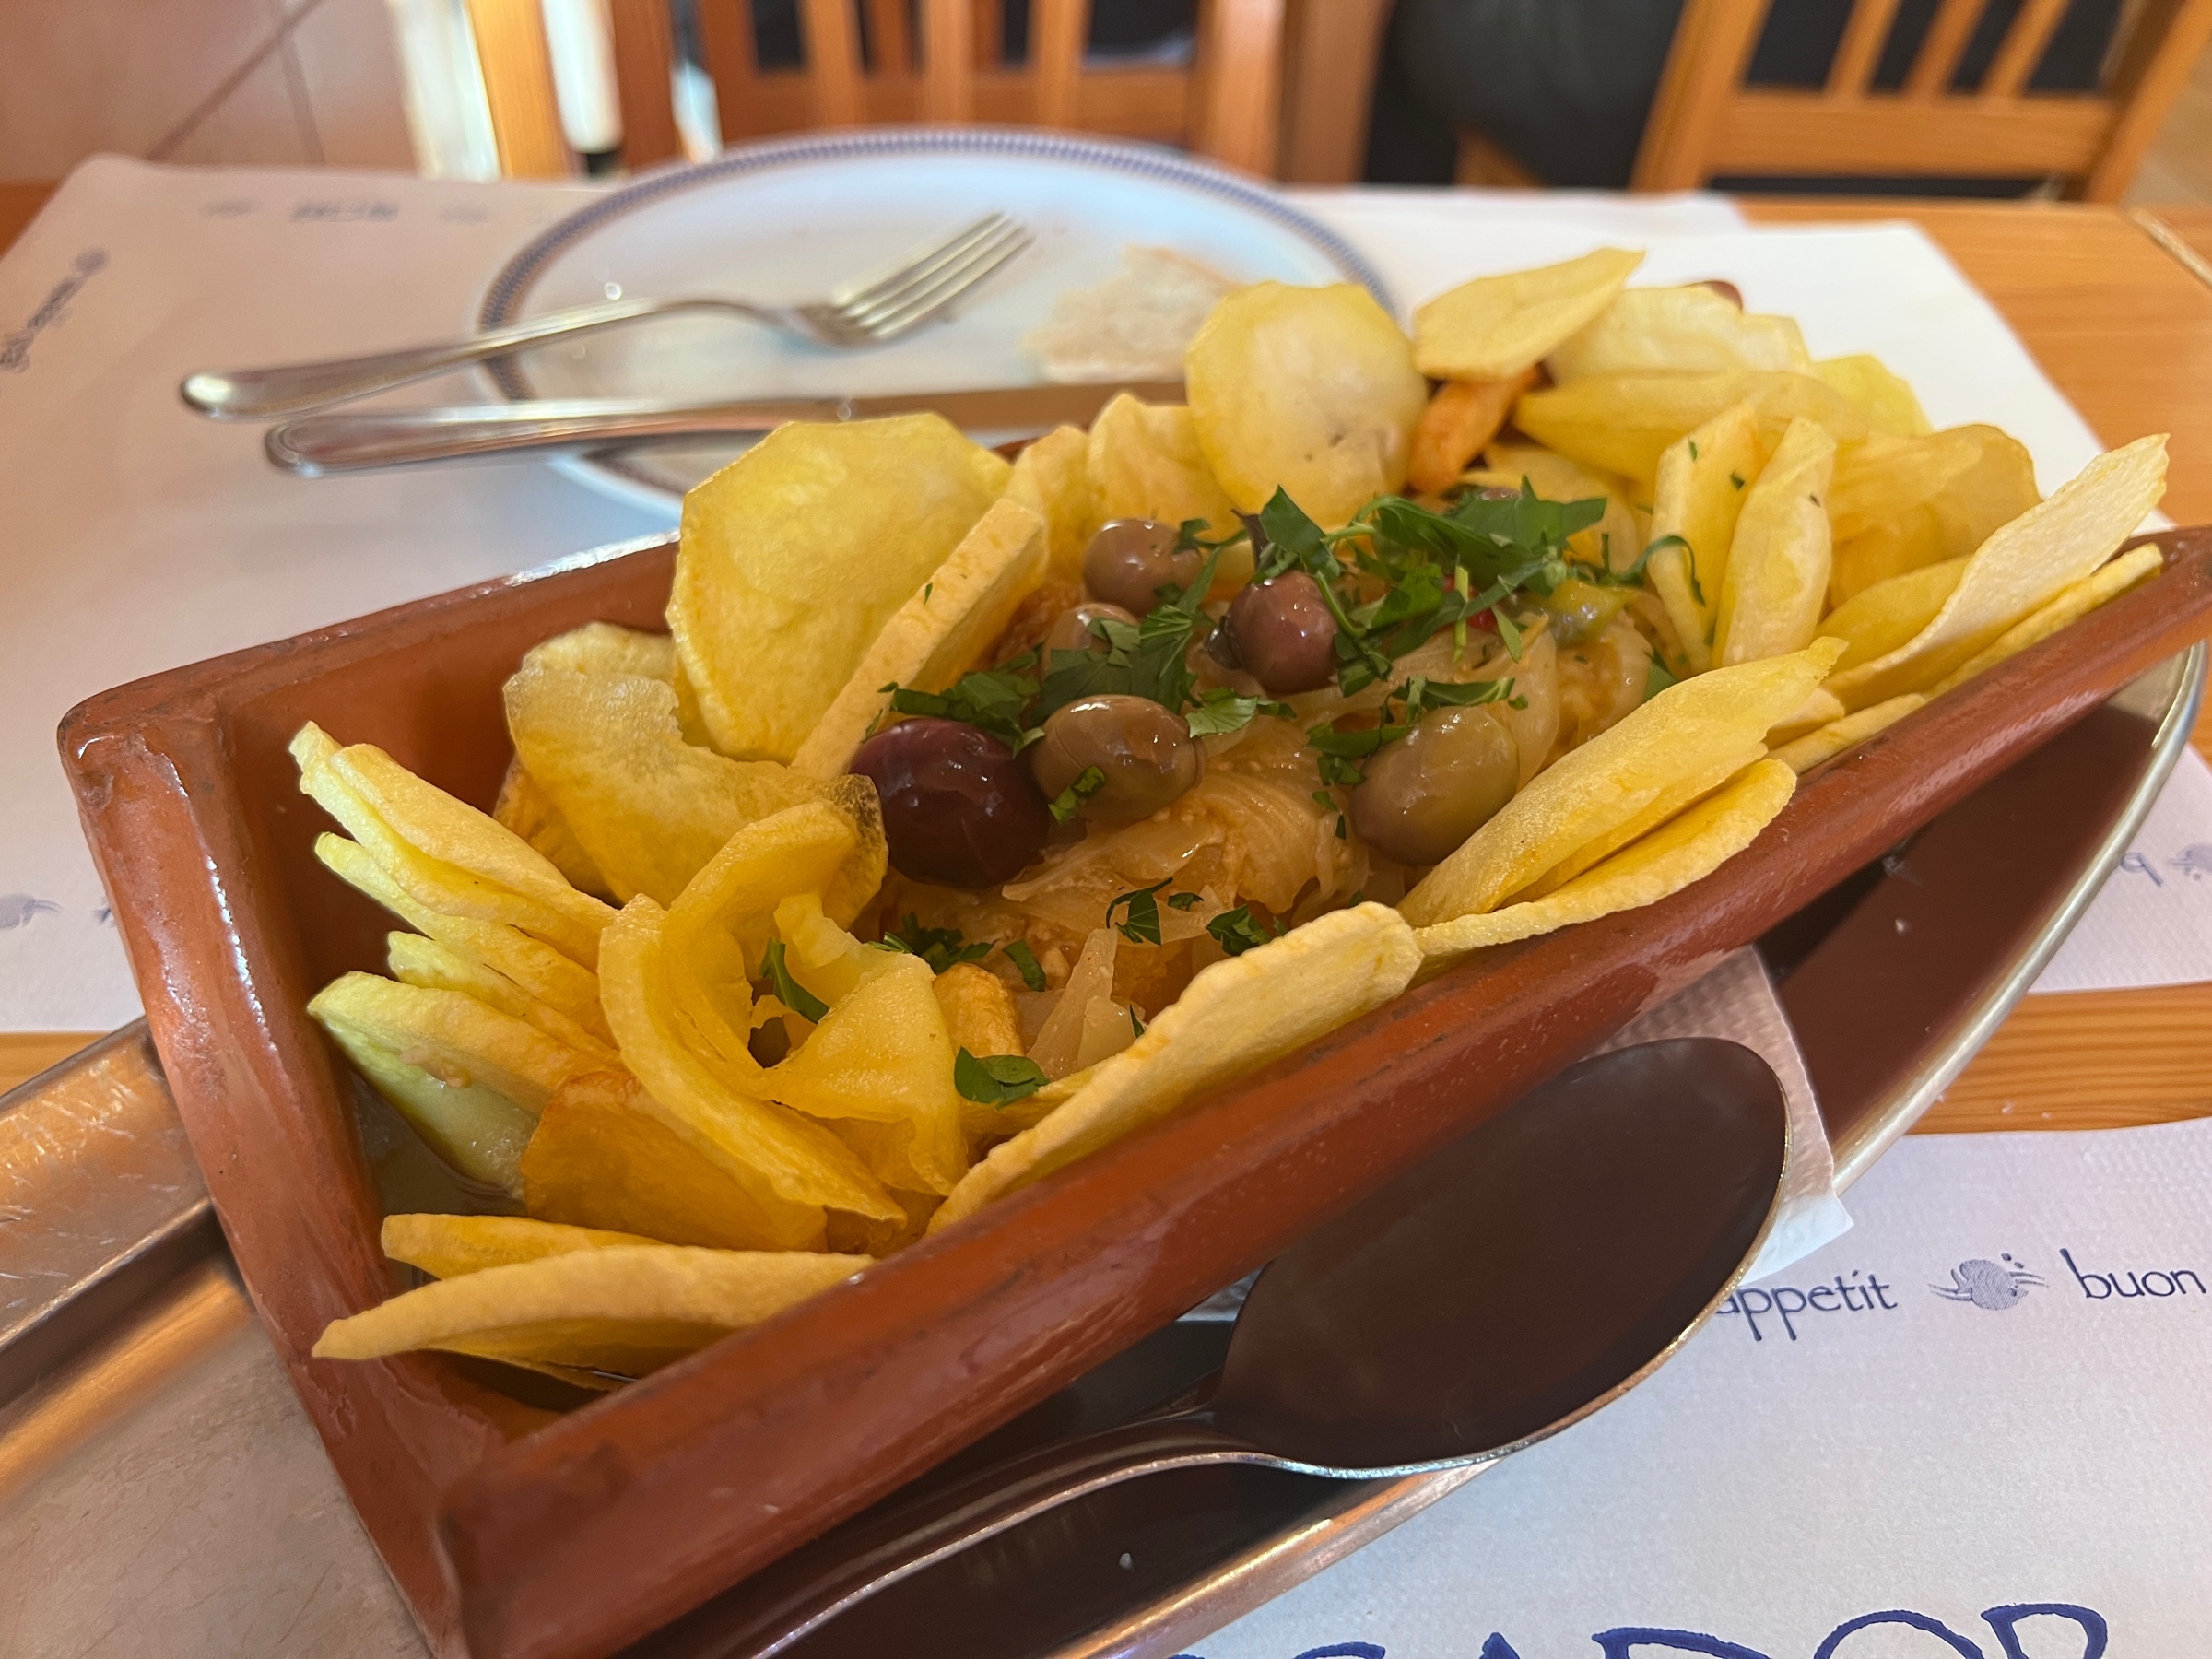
(1224,709)
(789,992)
(1069,801)
(1137,1026)
(1182,901)
(941,947)
(1025,963)
(1658,680)
(996,1080)
(1140,925)
(993,698)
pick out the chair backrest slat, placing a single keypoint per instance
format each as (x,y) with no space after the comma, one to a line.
(726,29)
(518,86)
(1705,120)
(948,59)
(1861,50)
(1058,29)
(832,46)
(645,57)
(1238,73)
(890,46)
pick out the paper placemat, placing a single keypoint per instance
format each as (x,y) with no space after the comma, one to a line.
(1973,1428)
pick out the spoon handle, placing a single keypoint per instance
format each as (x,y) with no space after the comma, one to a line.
(808,1588)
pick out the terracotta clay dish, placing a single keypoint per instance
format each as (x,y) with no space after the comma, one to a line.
(515,1531)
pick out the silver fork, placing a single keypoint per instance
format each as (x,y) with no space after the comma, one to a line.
(859,313)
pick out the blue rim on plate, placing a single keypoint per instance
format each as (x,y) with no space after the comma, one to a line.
(502,301)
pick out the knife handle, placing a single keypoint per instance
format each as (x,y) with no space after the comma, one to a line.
(315,445)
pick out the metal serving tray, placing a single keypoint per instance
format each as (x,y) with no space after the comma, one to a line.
(161,1490)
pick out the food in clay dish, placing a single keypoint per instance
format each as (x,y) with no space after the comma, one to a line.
(974,813)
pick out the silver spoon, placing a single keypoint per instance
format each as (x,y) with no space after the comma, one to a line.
(1527,1274)
(862,314)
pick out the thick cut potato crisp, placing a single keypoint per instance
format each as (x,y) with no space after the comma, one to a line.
(476,1131)
(1877,619)
(1898,528)
(1684,732)
(1144,461)
(628,1310)
(1891,406)
(602,1158)
(448,1246)
(1236,1017)
(943,630)
(525,809)
(416,959)
(454,1037)
(1625,422)
(1698,495)
(1690,330)
(1777,580)
(2071,604)
(1309,390)
(1684,850)
(1837,735)
(2021,565)
(1051,478)
(796,554)
(1494,327)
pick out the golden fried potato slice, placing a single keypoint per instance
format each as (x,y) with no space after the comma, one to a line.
(1877,480)
(1687,330)
(938,635)
(1234,1017)
(1458,424)
(1624,422)
(1698,496)
(1310,390)
(1144,461)
(608,648)
(978,1008)
(1877,619)
(794,556)
(475,1131)
(525,809)
(1890,405)
(629,1309)
(415,960)
(2070,605)
(1051,478)
(456,1038)
(1837,735)
(1996,485)
(602,1158)
(1670,802)
(2022,565)
(1776,585)
(448,1246)
(1494,327)
(1687,849)
(1811,714)
(1686,730)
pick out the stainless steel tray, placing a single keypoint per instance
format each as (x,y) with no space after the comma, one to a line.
(162,1492)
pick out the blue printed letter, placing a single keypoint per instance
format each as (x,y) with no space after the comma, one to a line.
(1917,1621)
(2005,1620)
(1620,1643)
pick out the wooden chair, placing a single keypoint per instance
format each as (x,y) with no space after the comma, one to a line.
(1707,121)
(1255,59)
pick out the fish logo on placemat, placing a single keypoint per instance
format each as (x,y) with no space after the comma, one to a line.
(18,909)
(1988,1284)
(2196,861)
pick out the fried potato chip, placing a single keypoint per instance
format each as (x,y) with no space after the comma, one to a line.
(2071,605)
(938,635)
(525,809)
(1690,330)
(1051,478)
(1670,801)
(1811,714)
(1889,404)
(1684,850)
(1837,735)
(794,556)
(1459,422)
(2020,567)
(1995,487)
(1144,461)
(629,1309)
(448,1246)
(881,1054)
(1624,422)
(443,852)
(1698,496)
(1688,730)
(476,1131)
(1614,541)
(1311,390)
(980,1017)
(602,1158)
(1494,327)
(648,808)
(790,1167)
(1877,619)
(1911,541)
(417,960)
(555,980)
(1235,1017)
(456,1038)
(608,648)
(1776,585)
(1883,477)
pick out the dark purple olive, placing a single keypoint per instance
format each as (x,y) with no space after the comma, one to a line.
(1147,755)
(1129,560)
(1283,634)
(1071,630)
(1437,785)
(958,807)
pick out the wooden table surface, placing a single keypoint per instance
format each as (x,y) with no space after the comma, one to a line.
(2117,307)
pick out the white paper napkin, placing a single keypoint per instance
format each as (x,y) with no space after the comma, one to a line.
(2151,922)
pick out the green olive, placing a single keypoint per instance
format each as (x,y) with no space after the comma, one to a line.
(1129,560)
(1437,785)
(1580,610)
(1145,754)
(1071,630)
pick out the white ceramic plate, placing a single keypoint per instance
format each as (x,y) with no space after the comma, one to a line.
(790,219)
